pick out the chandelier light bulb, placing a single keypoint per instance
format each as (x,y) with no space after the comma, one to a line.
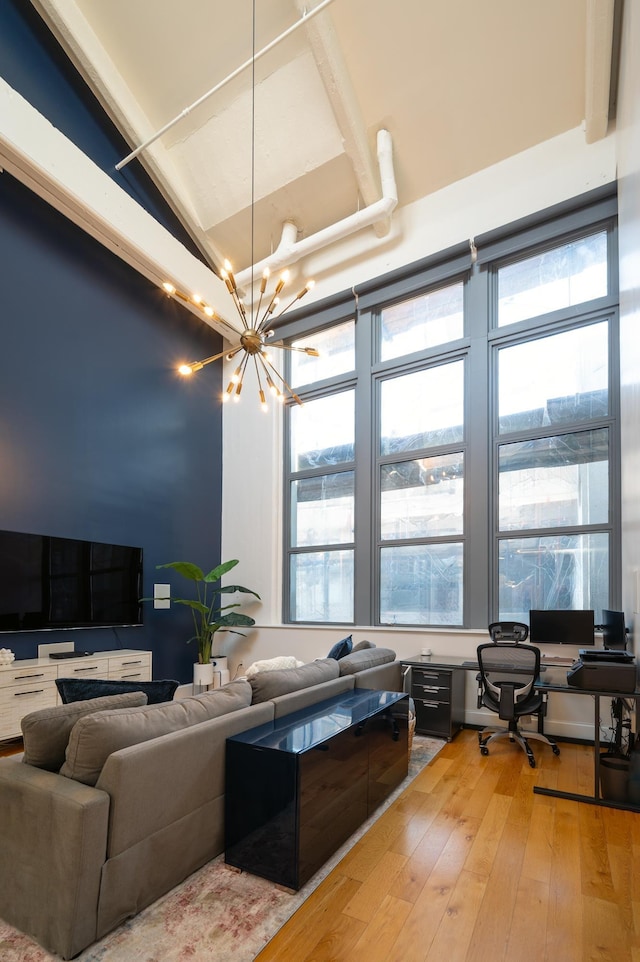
(235,377)
(169,288)
(185,370)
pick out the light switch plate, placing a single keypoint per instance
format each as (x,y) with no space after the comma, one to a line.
(162,596)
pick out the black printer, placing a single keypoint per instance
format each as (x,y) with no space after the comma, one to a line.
(604,670)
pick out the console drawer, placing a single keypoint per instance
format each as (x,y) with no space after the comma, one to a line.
(31,695)
(84,668)
(136,664)
(21,676)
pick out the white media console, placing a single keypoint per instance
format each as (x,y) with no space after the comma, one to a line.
(30,684)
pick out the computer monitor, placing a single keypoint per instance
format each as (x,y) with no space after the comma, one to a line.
(562,627)
(614,634)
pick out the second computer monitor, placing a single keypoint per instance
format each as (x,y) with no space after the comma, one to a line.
(561,627)
(614,634)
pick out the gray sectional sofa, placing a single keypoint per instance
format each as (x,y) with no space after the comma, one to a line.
(114,804)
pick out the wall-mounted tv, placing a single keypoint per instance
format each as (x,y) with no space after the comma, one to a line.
(562,627)
(48,582)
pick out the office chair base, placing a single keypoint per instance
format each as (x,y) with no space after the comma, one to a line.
(490,734)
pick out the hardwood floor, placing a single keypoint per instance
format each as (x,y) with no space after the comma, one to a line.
(10,747)
(468,865)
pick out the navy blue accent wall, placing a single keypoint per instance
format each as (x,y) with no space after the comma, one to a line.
(33,63)
(100,439)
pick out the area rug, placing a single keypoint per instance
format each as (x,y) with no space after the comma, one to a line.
(216,915)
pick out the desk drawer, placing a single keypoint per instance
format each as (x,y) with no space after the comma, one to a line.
(431,684)
(433,717)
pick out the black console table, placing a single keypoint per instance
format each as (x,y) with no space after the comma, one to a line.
(298,787)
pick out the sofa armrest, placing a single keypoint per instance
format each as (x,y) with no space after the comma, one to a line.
(53,841)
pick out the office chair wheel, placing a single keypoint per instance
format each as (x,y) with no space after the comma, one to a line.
(484,750)
(555,749)
(532,762)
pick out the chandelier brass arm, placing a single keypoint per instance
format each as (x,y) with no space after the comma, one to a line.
(252,337)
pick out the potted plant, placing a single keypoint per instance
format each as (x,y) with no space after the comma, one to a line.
(209,615)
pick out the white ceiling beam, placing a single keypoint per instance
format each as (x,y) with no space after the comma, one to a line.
(85,51)
(42,158)
(599,45)
(339,87)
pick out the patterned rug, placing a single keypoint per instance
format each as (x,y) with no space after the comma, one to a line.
(216,915)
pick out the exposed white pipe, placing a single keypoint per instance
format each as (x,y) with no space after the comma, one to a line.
(290,250)
(187,110)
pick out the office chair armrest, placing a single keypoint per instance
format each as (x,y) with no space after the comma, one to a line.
(479,690)
(507,709)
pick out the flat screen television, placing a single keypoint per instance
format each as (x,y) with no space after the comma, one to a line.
(562,627)
(48,582)
(614,632)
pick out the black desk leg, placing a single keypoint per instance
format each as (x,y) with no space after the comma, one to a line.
(596,746)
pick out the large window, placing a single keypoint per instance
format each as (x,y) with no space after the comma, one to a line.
(456,457)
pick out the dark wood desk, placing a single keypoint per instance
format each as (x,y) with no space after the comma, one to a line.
(557,685)
(550,681)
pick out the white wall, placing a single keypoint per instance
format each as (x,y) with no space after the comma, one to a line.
(252,451)
(628,153)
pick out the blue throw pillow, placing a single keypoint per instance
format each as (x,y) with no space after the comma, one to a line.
(341,648)
(80,689)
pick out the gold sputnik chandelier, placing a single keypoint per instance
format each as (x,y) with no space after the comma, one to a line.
(255,326)
(251,338)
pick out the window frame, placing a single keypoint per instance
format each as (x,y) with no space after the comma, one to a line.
(479,347)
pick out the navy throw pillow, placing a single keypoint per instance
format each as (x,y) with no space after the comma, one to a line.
(341,648)
(81,689)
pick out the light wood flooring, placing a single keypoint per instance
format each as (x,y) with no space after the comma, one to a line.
(468,865)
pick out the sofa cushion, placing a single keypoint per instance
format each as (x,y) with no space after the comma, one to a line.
(362,645)
(79,689)
(46,732)
(366,658)
(269,684)
(95,737)
(341,648)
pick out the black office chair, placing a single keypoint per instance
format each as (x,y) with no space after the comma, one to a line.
(507,677)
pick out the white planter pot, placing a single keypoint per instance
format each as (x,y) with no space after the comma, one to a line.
(202,675)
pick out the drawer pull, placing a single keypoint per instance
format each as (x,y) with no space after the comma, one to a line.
(125,664)
(431,704)
(88,668)
(136,674)
(36,691)
(21,677)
